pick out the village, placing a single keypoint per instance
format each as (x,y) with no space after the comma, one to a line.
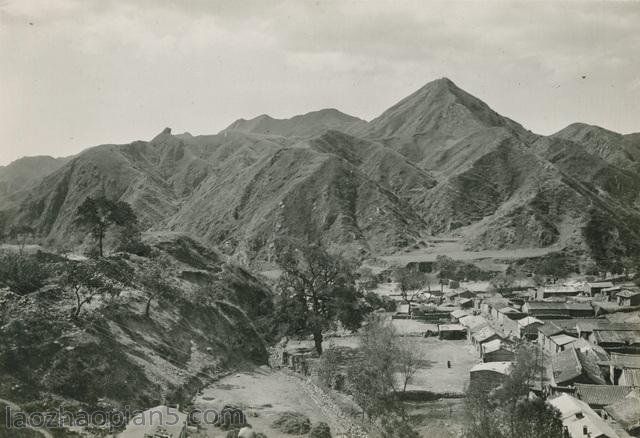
(586,333)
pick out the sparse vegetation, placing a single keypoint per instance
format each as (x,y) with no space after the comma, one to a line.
(450,269)
(503,283)
(22,273)
(320,430)
(292,423)
(85,282)
(156,280)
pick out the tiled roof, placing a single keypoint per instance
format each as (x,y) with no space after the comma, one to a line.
(491,346)
(459,313)
(601,284)
(571,363)
(627,293)
(451,327)
(498,367)
(601,394)
(626,411)
(576,415)
(473,322)
(484,334)
(560,290)
(622,360)
(589,361)
(566,366)
(617,336)
(563,339)
(528,320)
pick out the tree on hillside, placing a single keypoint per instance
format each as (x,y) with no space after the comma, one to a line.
(21,234)
(98,214)
(502,283)
(156,281)
(316,290)
(86,282)
(555,266)
(411,281)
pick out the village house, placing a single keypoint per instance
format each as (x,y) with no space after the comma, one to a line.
(483,335)
(580,421)
(560,342)
(465,303)
(611,292)
(628,298)
(592,289)
(599,396)
(586,326)
(473,323)
(557,292)
(626,413)
(493,302)
(624,369)
(528,327)
(495,351)
(621,338)
(544,335)
(552,309)
(452,331)
(457,314)
(508,318)
(488,375)
(573,366)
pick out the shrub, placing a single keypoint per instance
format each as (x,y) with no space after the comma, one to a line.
(327,367)
(229,417)
(293,423)
(320,430)
(376,302)
(21,273)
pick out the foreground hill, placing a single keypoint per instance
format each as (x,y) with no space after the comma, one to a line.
(114,354)
(439,161)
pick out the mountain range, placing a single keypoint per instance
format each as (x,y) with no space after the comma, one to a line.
(439,162)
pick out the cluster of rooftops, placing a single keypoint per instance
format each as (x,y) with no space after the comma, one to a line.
(588,336)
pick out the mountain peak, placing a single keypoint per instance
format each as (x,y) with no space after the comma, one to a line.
(304,125)
(441,108)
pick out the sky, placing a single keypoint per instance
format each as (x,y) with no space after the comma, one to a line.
(78,73)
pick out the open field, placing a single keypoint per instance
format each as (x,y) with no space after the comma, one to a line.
(433,374)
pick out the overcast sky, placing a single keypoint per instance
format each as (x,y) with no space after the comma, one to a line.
(77,73)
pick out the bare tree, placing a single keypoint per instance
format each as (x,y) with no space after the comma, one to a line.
(156,280)
(411,282)
(86,282)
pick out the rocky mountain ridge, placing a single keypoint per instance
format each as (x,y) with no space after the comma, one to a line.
(439,161)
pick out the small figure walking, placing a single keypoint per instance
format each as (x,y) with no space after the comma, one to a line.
(448,364)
